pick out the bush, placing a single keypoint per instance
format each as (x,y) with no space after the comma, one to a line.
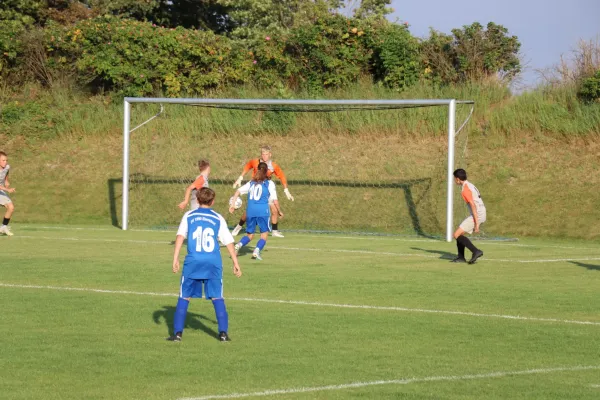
(589,90)
(396,60)
(137,58)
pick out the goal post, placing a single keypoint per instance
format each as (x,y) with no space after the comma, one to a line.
(266,103)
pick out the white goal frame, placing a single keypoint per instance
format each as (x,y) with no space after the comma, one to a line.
(450,103)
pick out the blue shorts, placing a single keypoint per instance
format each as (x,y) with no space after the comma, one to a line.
(264,224)
(213,288)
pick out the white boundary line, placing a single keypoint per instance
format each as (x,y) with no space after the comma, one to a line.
(382,253)
(405,381)
(317,304)
(326,236)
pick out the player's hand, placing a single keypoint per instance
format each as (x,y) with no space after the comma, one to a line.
(176,265)
(288,194)
(10,190)
(238,183)
(182,205)
(477,228)
(280,213)
(236,270)
(231,210)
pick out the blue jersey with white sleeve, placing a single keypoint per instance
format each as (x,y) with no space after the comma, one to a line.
(259,196)
(202,228)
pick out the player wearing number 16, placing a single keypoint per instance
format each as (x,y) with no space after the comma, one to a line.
(203,266)
(261,192)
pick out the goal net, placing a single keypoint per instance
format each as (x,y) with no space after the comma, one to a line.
(361,166)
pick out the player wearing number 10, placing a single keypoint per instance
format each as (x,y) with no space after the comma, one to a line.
(261,192)
(203,266)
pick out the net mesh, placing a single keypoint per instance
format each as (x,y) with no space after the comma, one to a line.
(371,171)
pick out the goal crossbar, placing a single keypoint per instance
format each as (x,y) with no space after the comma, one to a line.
(450,103)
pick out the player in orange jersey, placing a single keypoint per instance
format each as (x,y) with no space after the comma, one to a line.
(200,182)
(472,197)
(273,169)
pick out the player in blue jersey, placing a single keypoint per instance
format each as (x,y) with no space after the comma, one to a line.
(203,266)
(261,191)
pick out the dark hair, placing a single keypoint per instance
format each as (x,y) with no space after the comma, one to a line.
(261,174)
(460,174)
(203,164)
(205,196)
(3,154)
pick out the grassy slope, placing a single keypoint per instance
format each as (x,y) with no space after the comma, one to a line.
(535,165)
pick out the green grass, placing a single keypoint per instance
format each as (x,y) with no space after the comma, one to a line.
(66,344)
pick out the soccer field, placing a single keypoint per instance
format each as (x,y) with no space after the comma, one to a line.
(86,312)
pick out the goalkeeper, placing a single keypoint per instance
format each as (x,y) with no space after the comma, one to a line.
(272,169)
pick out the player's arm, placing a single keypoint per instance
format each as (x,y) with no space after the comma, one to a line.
(178,244)
(249,165)
(279,173)
(243,190)
(6,186)
(233,200)
(226,238)
(197,184)
(181,235)
(236,266)
(468,196)
(273,198)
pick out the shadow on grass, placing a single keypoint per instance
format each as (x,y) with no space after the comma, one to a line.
(444,255)
(588,266)
(192,321)
(406,186)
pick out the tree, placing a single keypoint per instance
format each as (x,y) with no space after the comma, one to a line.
(373,9)
(275,15)
(472,53)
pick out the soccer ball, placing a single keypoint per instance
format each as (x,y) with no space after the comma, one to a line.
(238,203)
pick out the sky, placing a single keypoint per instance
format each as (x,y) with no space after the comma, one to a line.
(545,28)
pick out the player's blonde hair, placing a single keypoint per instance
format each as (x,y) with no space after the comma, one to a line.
(205,196)
(203,164)
(265,148)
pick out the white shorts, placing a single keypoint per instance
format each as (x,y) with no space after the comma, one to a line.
(468,225)
(4,199)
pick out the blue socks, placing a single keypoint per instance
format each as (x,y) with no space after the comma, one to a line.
(180,313)
(221,312)
(261,244)
(245,240)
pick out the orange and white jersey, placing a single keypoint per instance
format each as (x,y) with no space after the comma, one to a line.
(200,182)
(471,195)
(272,169)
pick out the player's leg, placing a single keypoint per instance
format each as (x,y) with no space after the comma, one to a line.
(188,288)
(249,235)
(10,208)
(263,225)
(274,221)
(214,291)
(467,226)
(239,226)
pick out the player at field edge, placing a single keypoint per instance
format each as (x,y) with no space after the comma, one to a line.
(261,198)
(472,223)
(200,182)
(203,265)
(5,189)
(273,169)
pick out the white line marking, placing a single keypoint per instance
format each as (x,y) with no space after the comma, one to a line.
(405,381)
(316,304)
(595,386)
(329,236)
(382,253)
